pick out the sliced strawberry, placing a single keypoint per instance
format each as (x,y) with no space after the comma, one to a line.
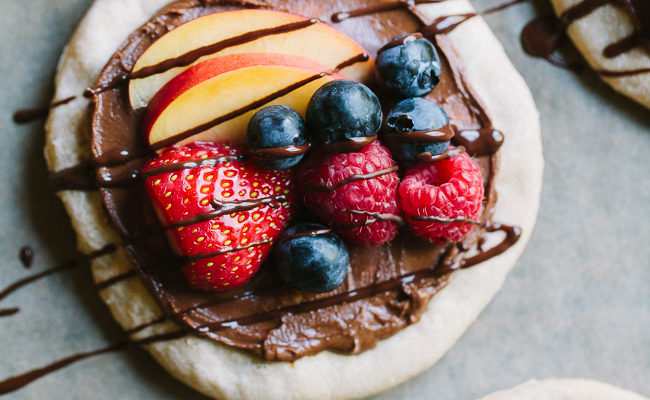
(222,212)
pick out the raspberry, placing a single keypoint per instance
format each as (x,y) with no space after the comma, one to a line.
(364,211)
(447,190)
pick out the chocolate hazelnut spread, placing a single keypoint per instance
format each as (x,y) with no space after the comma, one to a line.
(387,288)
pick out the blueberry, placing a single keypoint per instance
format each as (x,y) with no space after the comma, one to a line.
(342,109)
(409,69)
(312,258)
(415,114)
(273,127)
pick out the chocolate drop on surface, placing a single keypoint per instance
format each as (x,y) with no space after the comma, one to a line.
(26,256)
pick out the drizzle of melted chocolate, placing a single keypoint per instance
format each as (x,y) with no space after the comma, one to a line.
(352,178)
(400,41)
(190,57)
(447,23)
(19,381)
(444,220)
(313,232)
(372,218)
(223,208)
(348,145)
(446,266)
(26,256)
(378,8)
(427,157)
(280,152)
(30,114)
(63,267)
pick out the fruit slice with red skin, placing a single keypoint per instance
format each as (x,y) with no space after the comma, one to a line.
(224,251)
(316,41)
(214,89)
(448,190)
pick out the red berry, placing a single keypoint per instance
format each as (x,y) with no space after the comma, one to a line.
(362,211)
(447,190)
(224,246)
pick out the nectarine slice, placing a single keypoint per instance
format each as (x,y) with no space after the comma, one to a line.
(241,31)
(215,99)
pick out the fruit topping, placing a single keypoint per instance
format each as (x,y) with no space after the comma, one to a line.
(408,66)
(215,99)
(236,32)
(355,193)
(417,128)
(442,200)
(221,213)
(312,258)
(277,137)
(343,115)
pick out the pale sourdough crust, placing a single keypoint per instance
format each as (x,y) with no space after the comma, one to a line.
(222,372)
(602,27)
(564,389)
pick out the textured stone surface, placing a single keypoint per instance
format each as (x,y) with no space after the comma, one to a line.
(577,304)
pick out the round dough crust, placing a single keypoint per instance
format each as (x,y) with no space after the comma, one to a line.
(603,27)
(564,389)
(222,372)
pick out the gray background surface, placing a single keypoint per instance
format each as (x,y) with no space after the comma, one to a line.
(576,305)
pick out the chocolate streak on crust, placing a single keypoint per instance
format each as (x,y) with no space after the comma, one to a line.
(30,114)
(116,126)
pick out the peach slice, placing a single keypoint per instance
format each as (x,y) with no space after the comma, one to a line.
(241,31)
(215,99)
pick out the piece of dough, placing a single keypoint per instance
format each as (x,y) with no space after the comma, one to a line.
(592,33)
(564,389)
(223,372)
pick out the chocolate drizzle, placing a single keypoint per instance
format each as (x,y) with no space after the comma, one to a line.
(223,208)
(280,152)
(373,217)
(190,57)
(313,232)
(446,266)
(378,8)
(30,114)
(350,179)
(19,381)
(427,157)
(400,41)
(179,166)
(63,267)
(229,250)
(444,220)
